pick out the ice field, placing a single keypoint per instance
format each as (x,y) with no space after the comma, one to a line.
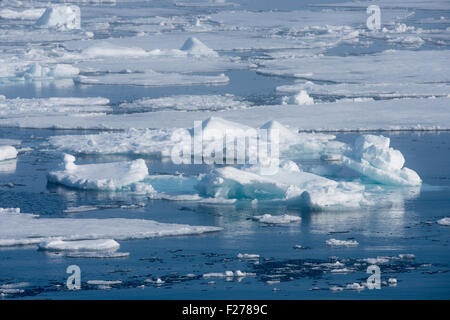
(103,103)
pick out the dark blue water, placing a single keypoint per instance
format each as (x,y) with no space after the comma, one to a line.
(407,227)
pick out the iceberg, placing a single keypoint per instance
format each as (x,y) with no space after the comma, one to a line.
(61,17)
(18,228)
(101,176)
(7,153)
(373,158)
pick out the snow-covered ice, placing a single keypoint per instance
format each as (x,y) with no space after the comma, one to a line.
(7,152)
(101,176)
(24,229)
(444,222)
(80,245)
(283,219)
(62,17)
(341,243)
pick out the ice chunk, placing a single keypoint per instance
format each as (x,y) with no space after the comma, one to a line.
(22,229)
(373,158)
(444,222)
(7,152)
(35,71)
(101,176)
(80,245)
(283,219)
(341,243)
(250,256)
(195,47)
(302,98)
(296,188)
(62,17)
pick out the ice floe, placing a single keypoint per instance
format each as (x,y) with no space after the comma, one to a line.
(80,245)
(24,229)
(101,176)
(283,219)
(7,153)
(341,243)
(62,17)
(374,158)
(186,103)
(52,107)
(195,47)
(444,222)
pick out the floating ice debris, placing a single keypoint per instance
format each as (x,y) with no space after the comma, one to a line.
(195,47)
(407,256)
(336,288)
(228,274)
(377,260)
(23,229)
(81,209)
(7,153)
(104,282)
(283,219)
(341,243)
(392,282)
(302,98)
(444,222)
(99,176)
(61,17)
(35,71)
(341,270)
(373,158)
(355,286)
(97,254)
(80,245)
(249,256)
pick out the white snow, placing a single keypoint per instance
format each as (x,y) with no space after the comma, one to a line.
(373,158)
(195,47)
(186,103)
(101,176)
(341,243)
(283,219)
(403,114)
(302,98)
(444,222)
(250,256)
(80,245)
(107,49)
(52,106)
(27,14)
(7,152)
(61,17)
(23,229)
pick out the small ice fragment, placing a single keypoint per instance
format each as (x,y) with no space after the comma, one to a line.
(248,256)
(80,245)
(354,286)
(407,256)
(342,243)
(283,219)
(444,221)
(104,282)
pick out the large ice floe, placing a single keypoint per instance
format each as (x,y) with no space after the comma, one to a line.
(63,17)
(107,176)
(58,233)
(52,106)
(7,152)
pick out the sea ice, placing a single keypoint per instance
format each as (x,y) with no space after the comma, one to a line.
(195,47)
(444,222)
(342,243)
(23,229)
(61,17)
(101,176)
(7,152)
(80,245)
(283,219)
(372,157)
